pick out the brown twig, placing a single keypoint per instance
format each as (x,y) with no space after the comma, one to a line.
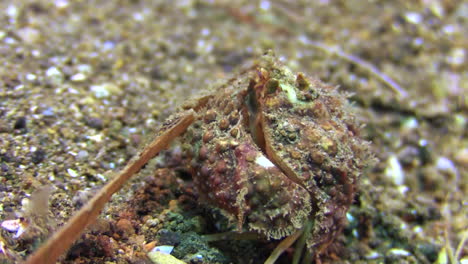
(297,21)
(63,238)
(301,243)
(282,246)
(371,69)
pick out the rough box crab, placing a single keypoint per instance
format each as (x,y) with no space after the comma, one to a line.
(274,150)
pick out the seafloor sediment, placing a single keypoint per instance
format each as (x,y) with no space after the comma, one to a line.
(84,84)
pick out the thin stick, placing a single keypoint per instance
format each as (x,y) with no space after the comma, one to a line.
(302,242)
(373,70)
(363,64)
(298,21)
(461,244)
(71,231)
(282,246)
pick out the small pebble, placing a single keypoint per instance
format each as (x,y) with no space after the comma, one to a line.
(437,9)
(29,35)
(11,225)
(457,57)
(373,255)
(79,77)
(31,77)
(152,222)
(48,112)
(72,173)
(100,226)
(82,155)
(410,123)
(164,249)
(399,252)
(96,138)
(20,123)
(445,164)
(156,73)
(81,197)
(158,257)
(125,227)
(38,156)
(104,90)
(4,128)
(85,69)
(94,122)
(100,91)
(54,75)
(394,170)
(462,156)
(350,218)
(12,11)
(413,17)
(5,169)
(61,4)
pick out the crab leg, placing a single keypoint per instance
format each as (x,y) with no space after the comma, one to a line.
(63,238)
(282,246)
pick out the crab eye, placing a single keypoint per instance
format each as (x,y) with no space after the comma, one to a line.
(271,86)
(301,82)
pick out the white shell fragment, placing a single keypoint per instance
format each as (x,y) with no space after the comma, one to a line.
(394,170)
(399,252)
(264,162)
(158,257)
(163,249)
(14,226)
(11,225)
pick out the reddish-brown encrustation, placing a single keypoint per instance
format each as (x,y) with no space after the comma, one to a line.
(274,150)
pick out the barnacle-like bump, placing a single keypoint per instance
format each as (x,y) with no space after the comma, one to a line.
(229,108)
(234,132)
(271,86)
(234,118)
(210,116)
(207,136)
(302,82)
(222,146)
(223,124)
(203,153)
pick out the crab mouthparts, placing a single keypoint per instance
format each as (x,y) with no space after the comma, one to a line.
(256,125)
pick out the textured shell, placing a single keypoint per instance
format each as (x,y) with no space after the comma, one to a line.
(274,150)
